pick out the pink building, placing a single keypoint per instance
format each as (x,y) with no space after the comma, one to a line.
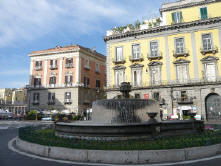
(66,78)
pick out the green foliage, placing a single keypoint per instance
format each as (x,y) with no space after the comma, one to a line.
(137,24)
(158,20)
(32,115)
(150,25)
(47,137)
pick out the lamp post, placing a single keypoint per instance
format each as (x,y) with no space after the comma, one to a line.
(28,87)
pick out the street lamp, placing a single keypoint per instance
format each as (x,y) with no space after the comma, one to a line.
(28,87)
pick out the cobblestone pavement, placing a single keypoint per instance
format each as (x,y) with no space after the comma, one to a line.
(9,130)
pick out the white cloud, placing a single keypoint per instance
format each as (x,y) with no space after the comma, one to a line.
(25,20)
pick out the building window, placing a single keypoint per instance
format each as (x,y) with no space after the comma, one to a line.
(137,96)
(179,45)
(137,77)
(52,80)
(119,54)
(38,65)
(203,13)
(119,77)
(97,68)
(67,97)
(36,98)
(210,71)
(87,64)
(136,51)
(51,98)
(68,80)
(183,95)
(177,17)
(155,75)
(69,63)
(53,64)
(156,96)
(182,73)
(98,84)
(86,82)
(37,82)
(154,49)
(207,42)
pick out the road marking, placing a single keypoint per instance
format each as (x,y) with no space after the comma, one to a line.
(3,128)
(11,147)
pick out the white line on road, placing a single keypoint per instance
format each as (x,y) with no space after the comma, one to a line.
(3,128)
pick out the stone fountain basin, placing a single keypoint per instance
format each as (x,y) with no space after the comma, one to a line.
(91,130)
(148,130)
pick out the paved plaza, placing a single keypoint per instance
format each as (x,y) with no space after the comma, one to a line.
(9,130)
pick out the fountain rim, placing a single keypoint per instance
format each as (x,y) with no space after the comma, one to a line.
(116,125)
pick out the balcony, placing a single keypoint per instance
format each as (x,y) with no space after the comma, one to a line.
(118,61)
(98,71)
(87,67)
(37,68)
(157,56)
(35,102)
(51,102)
(212,50)
(69,65)
(53,67)
(68,84)
(137,58)
(52,85)
(185,100)
(183,53)
(67,101)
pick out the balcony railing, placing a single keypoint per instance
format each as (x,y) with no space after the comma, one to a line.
(87,67)
(67,101)
(183,53)
(185,100)
(212,50)
(35,102)
(158,56)
(51,102)
(68,84)
(53,67)
(119,61)
(38,68)
(136,58)
(68,65)
(98,71)
(164,83)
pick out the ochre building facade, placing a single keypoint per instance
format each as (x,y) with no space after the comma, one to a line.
(66,79)
(177,61)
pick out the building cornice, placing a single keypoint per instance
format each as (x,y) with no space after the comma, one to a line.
(192,4)
(163,28)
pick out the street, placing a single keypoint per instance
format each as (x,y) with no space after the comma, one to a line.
(9,130)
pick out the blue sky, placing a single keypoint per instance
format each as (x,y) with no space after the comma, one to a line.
(30,25)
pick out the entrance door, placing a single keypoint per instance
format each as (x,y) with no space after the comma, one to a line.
(213,107)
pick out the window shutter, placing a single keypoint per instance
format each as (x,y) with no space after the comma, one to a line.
(66,79)
(181,17)
(173,18)
(71,79)
(51,62)
(205,13)
(54,80)
(49,96)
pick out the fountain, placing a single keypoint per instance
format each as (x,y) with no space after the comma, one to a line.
(125,119)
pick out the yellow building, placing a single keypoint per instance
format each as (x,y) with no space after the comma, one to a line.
(175,59)
(14,100)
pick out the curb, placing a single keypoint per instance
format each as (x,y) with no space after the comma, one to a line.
(49,153)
